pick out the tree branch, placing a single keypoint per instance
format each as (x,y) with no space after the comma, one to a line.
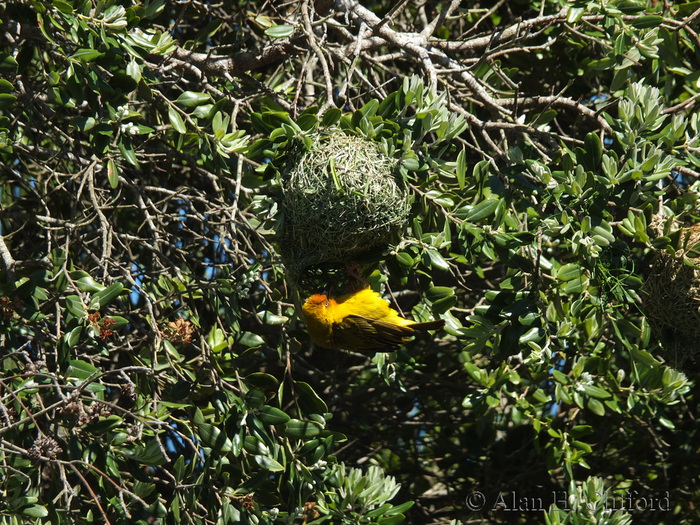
(241,63)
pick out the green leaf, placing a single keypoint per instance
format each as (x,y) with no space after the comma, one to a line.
(443,305)
(620,78)
(482,210)
(297,428)
(81,370)
(272,415)
(204,111)
(442,298)
(87,55)
(575,286)
(35,511)
(647,21)
(309,400)
(179,468)
(106,296)
(687,8)
(75,306)
(411,164)
(574,14)
(268,463)
(541,396)
(85,282)
(150,454)
(569,271)
(330,117)
(400,509)
(560,377)
(595,391)
(84,123)
(580,445)
(307,121)
(104,425)
(667,423)
(251,340)
(392,520)
(436,293)
(214,438)
(192,99)
(596,407)
(264,21)
(176,120)
(63,7)
(369,109)
(7,100)
(73,336)
(594,147)
(216,339)
(262,380)
(280,31)
(533,334)
(153,8)
(118,321)
(272,319)
(581,430)
(112,173)
(8,64)
(461,169)
(133,70)
(432,259)
(404,259)
(630,7)
(127,149)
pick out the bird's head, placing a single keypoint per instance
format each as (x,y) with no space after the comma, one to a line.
(316,301)
(315,310)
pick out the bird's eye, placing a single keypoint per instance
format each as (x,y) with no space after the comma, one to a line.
(326,303)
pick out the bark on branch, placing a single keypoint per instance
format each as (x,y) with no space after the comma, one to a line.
(241,63)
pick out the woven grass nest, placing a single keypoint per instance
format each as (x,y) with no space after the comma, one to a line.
(671,300)
(340,199)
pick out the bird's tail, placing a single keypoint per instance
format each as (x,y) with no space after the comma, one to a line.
(429,325)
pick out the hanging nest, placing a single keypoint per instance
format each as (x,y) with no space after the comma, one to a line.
(671,299)
(340,200)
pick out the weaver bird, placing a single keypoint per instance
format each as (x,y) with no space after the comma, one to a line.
(359,321)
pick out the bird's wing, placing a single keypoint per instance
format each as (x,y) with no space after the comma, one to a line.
(355,332)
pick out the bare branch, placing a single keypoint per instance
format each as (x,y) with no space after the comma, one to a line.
(319,54)
(440,19)
(7,260)
(412,43)
(557,101)
(241,63)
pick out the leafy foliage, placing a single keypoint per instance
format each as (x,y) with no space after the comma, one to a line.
(154,368)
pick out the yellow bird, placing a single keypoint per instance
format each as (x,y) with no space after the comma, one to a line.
(359,321)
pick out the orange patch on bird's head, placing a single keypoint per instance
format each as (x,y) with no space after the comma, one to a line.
(317,299)
(316,306)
